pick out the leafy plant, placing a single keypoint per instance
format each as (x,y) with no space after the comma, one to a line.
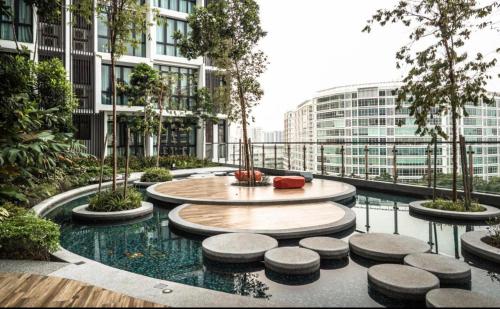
(448,205)
(4,214)
(35,122)
(23,235)
(109,200)
(494,232)
(156,174)
(140,91)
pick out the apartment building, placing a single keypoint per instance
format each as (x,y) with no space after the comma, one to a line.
(83,48)
(355,116)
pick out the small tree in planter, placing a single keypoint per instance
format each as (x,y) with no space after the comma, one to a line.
(140,91)
(164,90)
(123,19)
(228,32)
(442,77)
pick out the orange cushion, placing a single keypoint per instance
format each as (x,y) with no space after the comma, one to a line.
(243,175)
(289,182)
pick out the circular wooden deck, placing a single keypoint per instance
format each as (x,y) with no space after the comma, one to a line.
(219,190)
(279,221)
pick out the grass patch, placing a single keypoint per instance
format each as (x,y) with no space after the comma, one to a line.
(156,174)
(109,201)
(448,205)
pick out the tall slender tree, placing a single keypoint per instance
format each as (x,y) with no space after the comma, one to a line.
(165,91)
(442,76)
(141,92)
(228,32)
(123,19)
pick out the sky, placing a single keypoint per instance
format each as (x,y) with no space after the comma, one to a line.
(318,44)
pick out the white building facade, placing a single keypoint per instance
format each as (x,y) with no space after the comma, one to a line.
(82,48)
(354,116)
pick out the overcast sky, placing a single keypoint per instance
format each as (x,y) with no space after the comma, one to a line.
(318,44)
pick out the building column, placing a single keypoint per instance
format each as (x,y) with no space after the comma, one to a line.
(215,148)
(200,141)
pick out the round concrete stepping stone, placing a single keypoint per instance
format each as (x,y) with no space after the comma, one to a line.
(237,247)
(401,281)
(326,247)
(292,261)
(386,247)
(447,269)
(459,298)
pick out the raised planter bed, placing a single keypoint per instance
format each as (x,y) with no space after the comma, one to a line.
(489,212)
(82,213)
(473,243)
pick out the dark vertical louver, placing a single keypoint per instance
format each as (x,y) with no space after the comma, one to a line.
(89,124)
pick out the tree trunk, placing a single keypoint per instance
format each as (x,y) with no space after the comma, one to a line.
(127,156)
(145,137)
(454,151)
(243,107)
(113,102)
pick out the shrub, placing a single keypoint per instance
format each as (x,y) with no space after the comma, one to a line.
(23,235)
(108,201)
(448,205)
(493,238)
(156,174)
(137,164)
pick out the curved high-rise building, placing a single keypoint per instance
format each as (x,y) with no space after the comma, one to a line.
(358,115)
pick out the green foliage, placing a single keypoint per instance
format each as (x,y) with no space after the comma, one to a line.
(35,122)
(54,90)
(156,174)
(23,235)
(448,205)
(48,10)
(109,200)
(494,232)
(139,164)
(491,185)
(4,214)
(442,77)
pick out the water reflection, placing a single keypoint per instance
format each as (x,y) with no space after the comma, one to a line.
(149,247)
(152,248)
(375,211)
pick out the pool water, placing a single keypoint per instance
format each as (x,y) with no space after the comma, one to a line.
(151,248)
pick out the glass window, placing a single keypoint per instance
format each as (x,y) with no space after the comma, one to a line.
(103,41)
(165,43)
(183,89)
(22,14)
(184,6)
(122,73)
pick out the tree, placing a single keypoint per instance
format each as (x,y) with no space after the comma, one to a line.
(228,32)
(123,18)
(141,91)
(442,77)
(164,90)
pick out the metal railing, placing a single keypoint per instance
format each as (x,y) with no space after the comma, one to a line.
(403,162)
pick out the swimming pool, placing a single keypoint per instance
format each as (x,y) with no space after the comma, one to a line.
(150,247)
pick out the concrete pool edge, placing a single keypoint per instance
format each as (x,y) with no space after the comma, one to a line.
(132,284)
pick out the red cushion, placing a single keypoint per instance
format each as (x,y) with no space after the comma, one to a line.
(243,175)
(289,182)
